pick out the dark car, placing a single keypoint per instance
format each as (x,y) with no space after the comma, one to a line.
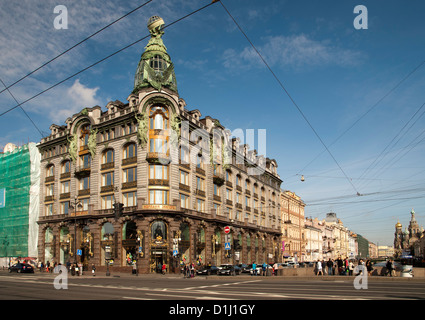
(245,268)
(21,268)
(228,269)
(207,270)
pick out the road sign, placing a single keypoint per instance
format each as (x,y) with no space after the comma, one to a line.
(227,246)
(79,252)
(227,238)
(226,229)
(175,252)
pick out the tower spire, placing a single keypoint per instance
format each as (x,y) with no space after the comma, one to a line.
(155,68)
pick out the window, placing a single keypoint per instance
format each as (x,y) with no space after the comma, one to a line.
(107,179)
(228,194)
(129,199)
(50,171)
(130,174)
(228,176)
(238,197)
(66,167)
(108,156)
(85,161)
(216,190)
(184,201)
(158,196)
(158,118)
(50,189)
(107,202)
(85,132)
(158,172)
(130,151)
(184,155)
(65,207)
(85,203)
(49,209)
(157,145)
(85,183)
(200,183)
(200,205)
(184,177)
(65,187)
(246,201)
(157,63)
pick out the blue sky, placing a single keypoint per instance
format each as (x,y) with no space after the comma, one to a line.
(334,72)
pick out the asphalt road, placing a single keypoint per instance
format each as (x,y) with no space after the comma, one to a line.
(40,286)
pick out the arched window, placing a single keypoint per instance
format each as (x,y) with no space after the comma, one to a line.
(159,230)
(108,156)
(158,118)
(66,166)
(130,151)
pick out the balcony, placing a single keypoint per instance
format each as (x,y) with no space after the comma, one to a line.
(158,182)
(128,185)
(108,165)
(129,161)
(184,187)
(82,171)
(158,158)
(218,179)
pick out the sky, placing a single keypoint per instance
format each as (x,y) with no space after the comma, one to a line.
(341,106)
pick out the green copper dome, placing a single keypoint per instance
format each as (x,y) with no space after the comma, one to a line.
(155,68)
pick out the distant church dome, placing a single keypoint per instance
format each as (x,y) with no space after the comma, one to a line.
(398,225)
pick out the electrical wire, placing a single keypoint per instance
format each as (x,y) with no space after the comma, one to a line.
(289,96)
(101,60)
(75,45)
(41,134)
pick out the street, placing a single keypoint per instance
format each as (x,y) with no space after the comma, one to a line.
(174,287)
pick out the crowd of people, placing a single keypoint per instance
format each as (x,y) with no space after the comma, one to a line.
(347,267)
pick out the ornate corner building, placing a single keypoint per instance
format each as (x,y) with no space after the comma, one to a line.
(149,182)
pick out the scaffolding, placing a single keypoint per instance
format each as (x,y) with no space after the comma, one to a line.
(19,201)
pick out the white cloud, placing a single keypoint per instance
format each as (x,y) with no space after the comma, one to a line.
(297,51)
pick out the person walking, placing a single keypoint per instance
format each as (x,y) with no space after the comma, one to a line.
(164,268)
(350,268)
(329,264)
(319,267)
(369,267)
(254,269)
(93,270)
(264,269)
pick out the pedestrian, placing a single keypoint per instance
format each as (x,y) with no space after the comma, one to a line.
(329,264)
(264,269)
(254,269)
(93,270)
(275,267)
(164,267)
(350,268)
(319,267)
(369,267)
(390,267)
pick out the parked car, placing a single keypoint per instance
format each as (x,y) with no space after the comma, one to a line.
(228,269)
(207,270)
(245,268)
(21,268)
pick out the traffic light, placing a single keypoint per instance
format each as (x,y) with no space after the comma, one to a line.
(118,209)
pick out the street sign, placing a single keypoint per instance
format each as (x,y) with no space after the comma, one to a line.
(79,252)
(226,229)
(227,246)
(227,238)
(175,252)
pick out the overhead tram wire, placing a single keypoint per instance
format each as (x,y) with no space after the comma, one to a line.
(99,61)
(38,129)
(370,109)
(75,45)
(290,97)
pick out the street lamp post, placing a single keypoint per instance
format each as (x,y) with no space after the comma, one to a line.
(77,203)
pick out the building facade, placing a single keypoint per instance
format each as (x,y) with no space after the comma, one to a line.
(292,215)
(149,182)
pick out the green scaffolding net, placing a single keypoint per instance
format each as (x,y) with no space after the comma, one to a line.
(18,171)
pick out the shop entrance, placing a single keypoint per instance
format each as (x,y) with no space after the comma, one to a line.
(158,257)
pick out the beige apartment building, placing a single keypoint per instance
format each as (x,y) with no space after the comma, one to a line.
(292,213)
